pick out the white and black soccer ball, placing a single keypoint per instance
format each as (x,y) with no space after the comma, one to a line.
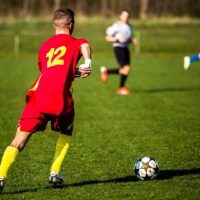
(146,168)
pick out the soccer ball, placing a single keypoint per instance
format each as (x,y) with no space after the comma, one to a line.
(146,168)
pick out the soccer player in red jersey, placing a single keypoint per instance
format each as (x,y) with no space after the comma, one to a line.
(50,97)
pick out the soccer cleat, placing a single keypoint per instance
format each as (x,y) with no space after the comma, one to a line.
(104,74)
(56,179)
(2,183)
(186,62)
(123,91)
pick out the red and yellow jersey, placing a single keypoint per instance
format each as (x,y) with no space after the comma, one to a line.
(57,60)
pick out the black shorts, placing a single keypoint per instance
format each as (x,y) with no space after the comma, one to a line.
(123,55)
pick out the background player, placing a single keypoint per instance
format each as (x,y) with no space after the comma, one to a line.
(188,60)
(120,34)
(50,97)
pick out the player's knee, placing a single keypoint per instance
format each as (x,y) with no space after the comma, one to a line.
(128,69)
(125,70)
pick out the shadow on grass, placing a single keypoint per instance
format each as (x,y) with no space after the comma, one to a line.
(114,180)
(167,174)
(170,89)
(163,175)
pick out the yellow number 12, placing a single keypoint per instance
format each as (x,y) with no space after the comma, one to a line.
(58,59)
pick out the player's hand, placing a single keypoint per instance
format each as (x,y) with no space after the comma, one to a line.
(84,72)
(122,39)
(134,41)
(85,69)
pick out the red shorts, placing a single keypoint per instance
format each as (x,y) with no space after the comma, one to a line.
(33,120)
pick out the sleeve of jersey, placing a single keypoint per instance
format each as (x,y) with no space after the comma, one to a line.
(111,30)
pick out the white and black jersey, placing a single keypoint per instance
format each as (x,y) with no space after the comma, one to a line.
(120,29)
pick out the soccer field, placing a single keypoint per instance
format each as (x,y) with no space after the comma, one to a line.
(161,118)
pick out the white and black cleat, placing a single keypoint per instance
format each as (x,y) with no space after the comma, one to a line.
(186,64)
(2,183)
(56,179)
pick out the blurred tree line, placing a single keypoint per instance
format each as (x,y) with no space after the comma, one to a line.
(139,8)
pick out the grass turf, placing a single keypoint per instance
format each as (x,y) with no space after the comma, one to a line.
(160,118)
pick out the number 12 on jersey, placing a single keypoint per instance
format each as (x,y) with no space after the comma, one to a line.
(58,59)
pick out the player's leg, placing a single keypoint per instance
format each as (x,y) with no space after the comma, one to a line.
(188,60)
(64,124)
(11,153)
(105,72)
(195,57)
(31,121)
(124,70)
(62,146)
(20,140)
(117,52)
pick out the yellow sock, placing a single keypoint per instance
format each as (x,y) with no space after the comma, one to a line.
(8,159)
(62,147)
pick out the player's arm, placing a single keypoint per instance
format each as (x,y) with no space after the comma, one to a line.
(134,41)
(118,39)
(111,34)
(110,38)
(85,68)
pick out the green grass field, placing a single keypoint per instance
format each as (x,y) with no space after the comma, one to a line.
(161,118)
